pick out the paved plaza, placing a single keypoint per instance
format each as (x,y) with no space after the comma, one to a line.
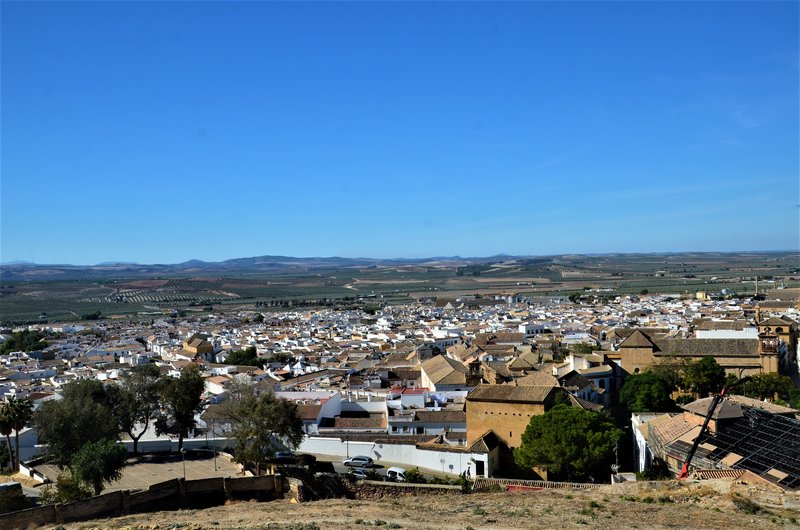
(149,469)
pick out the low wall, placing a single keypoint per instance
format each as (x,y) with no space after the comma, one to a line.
(28,518)
(514,485)
(159,496)
(168,445)
(255,486)
(171,494)
(370,489)
(26,468)
(108,505)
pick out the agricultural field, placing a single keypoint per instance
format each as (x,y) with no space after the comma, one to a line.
(32,298)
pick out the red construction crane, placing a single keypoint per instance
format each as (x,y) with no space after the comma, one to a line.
(714,402)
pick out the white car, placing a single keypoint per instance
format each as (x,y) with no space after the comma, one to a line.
(396,474)
(358,461)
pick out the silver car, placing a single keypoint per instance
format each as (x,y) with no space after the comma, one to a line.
(358,461)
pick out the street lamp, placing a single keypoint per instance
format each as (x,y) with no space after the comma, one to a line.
(214,449)
(214,440)
(183,454)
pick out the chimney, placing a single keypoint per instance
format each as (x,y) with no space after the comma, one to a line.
(475,374)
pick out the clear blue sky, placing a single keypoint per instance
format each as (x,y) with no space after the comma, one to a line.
(161,132)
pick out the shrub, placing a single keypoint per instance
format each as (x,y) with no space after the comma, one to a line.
(68,489)
(658,470)
(13,500)
(746,505)
(464,482)
(414,476)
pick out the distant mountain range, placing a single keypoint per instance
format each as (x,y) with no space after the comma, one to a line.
(268,265)
(25,270)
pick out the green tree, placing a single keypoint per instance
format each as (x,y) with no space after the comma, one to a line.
(68,489)
(415,476)
(646,392)
(583,348)
(6,430)
(181,399)
(84,415)
(99,462)
(704,376)
(138,402)
(246,357)
(768,386)
(26,341)
(671,369)
(12,500)
(259,420)
(278,357)
(568,442)
(17,412)
(95,315)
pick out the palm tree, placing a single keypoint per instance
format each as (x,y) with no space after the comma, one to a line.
(5,430)
(19,413)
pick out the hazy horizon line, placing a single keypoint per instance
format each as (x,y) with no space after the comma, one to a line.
(400,258)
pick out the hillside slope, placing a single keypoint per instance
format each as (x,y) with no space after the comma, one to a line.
(709,504)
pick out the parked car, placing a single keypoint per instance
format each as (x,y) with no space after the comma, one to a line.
(396,474)
(358,461)
(359,474)
(284,457)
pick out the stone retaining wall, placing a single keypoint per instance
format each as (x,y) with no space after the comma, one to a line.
(370,489)
(171,494)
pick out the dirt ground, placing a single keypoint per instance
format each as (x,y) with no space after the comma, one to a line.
(706,505)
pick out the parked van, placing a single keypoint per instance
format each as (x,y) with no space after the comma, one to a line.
(396,474)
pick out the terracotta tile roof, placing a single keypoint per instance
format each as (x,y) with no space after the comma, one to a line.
(708,347)
(596,370)
(725,410)
(707,474)
(441,416)
(486,443)
(673,428)
(586,405)
(763,405)
(526,361)
(637,339)
(777,321)
(510,393)
(308,412)
(536,378)
(442,370)
(360,423)
(708,324)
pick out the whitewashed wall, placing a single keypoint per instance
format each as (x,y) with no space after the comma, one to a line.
(408,456)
